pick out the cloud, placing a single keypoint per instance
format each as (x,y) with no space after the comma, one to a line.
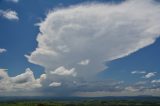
(14,1)
(24,78)
(149,75)
(146,75)
(76,29)
(3,74)
(138,72)
(101,85)
(62,71)
(84,62)
(55,84)
(69,35)
(42,78)
(24,81)
(68,88)
(156,81)
(2,50)
(9,14)
(141,82)
(132,89)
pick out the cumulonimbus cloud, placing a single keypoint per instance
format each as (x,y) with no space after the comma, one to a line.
(97,32)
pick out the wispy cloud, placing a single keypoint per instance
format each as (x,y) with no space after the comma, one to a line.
(14,1)
(138,72)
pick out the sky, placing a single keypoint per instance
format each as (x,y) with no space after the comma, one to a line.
(84,48)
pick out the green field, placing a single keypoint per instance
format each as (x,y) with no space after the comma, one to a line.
(83,103)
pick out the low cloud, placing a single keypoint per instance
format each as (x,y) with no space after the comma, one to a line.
(3,74)
(55,84)
(9,14)
(62,71)
(24,81)
(149,75)
(84,62)
(155,81)
(141,82)
(2,50)
(128,91)
(132,89)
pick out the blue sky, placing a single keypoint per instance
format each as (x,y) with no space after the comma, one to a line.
(54,46)
(145,59)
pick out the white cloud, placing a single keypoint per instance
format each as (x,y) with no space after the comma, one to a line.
(141,82)
(24,81)
(127,92)
(25,77)
(69,35)
(9,14)
(132,89)
(42,77)
(3,74)
(55,84)
(119,28)
(84,62)
(138,72)
(14,1)
(64,72)
(156,81)
(149,75)
(63,48)
(2,50)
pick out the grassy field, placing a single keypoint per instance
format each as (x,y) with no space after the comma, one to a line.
(84,103)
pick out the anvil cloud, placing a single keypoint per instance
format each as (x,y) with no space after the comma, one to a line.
(96,32)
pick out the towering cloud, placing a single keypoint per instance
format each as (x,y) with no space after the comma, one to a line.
(24,81)
(95,32)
